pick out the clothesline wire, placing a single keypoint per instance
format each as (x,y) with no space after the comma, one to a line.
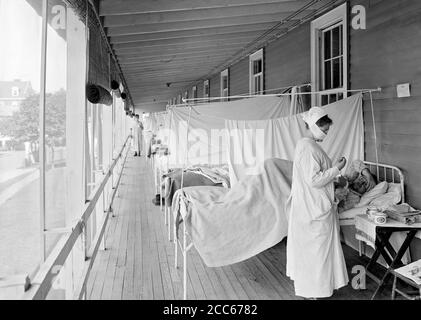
(275,95)
(282,88)
(375,133)
(241,95)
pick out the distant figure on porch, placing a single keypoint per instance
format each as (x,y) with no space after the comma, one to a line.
(137,136)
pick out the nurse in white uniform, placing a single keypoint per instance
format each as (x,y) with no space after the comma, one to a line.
(315,260)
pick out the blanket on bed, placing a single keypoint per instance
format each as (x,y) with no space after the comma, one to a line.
(231,225)
(193,176)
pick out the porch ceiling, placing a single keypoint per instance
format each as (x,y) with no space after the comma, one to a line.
(183,42)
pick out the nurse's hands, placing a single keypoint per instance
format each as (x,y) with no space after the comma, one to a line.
(340,163)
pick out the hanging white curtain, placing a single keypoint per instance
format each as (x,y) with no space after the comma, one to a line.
(251,142)
(207,133)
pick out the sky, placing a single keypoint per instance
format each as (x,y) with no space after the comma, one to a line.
(20,50)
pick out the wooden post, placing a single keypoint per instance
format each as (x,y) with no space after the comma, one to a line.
(41,138)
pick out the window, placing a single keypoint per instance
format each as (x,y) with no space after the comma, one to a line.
(15,92)
(224,85)
(20,245)
(256,72)
(42,173)
(194,93)
(206,89)
(329,72)
(36,165)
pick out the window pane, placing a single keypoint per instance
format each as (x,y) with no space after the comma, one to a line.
(336,72)
(340,39)
(326,43)
(90,177)
(257,66)
(336,44)
(20,56)
(55,121)
(325,99)
(327,75)
(333,98)
(341,72)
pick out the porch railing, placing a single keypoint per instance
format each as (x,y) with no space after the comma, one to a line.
(37,287)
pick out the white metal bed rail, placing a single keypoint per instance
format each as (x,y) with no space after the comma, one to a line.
(381,171)
(185,248)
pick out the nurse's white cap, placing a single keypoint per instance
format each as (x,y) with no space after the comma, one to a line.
(314,114)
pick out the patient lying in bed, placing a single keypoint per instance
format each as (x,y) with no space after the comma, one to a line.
(350,187)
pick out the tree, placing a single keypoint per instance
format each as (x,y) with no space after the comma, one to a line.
(24,124)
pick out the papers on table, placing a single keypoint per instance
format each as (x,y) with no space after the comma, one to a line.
(411,271)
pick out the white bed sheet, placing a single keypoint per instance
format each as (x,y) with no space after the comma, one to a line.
(347,217)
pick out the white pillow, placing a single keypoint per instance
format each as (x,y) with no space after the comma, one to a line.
(395,187)
(369,196)
(383,201)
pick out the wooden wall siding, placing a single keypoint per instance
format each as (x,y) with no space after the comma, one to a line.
(239,77)
(287,60)
(387,53)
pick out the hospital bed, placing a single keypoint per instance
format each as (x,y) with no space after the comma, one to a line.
(197,175)
(383,172)
(229,225)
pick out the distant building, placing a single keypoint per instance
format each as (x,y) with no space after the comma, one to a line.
(12,93)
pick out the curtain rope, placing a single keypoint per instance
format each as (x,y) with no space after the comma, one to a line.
(169,140)
(375,133)
(186,155)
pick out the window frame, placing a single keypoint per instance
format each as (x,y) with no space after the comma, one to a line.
(206,83)
(258,55)
(194,94)
(336,16)
(15,92)
(225,91)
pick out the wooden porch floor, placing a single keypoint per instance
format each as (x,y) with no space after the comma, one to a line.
(138,262)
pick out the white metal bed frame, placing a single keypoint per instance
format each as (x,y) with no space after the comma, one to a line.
(158,173)
(185,248)
(383,172)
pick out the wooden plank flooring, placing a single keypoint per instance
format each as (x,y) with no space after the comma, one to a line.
(138,262)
